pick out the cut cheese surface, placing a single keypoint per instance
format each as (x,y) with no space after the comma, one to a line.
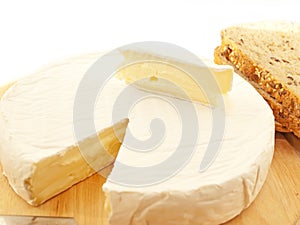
(202,82)
(191,196)
(39,152)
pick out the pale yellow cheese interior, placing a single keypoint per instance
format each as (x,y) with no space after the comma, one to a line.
(201,83)
(54,174)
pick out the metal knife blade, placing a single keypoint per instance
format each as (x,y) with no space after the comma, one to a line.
(35,220)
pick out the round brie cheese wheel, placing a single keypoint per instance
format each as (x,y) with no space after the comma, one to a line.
(36,114)
(190,195)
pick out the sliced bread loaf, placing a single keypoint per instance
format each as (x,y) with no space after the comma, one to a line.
(267,54)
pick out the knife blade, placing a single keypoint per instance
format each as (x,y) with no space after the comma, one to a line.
(35,220)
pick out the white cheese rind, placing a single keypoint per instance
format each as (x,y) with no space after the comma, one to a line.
(215,196)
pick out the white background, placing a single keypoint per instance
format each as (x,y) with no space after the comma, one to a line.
(34,33)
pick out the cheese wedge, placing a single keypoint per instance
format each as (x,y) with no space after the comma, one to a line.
(39,152)
(201,81)
(145,186)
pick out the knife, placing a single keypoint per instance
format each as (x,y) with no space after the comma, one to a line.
(35,220)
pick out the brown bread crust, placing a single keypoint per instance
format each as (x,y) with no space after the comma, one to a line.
(280,98)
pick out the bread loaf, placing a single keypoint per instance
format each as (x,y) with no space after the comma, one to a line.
(267,54)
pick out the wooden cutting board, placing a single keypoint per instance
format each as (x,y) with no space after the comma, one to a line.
(278,203)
